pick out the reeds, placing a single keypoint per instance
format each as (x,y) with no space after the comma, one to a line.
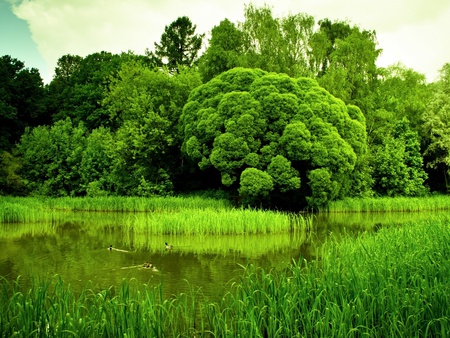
(52,309)
(217,222)
(389,204)
(393,283)
(156,216)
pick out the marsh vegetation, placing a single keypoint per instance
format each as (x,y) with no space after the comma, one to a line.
(390,283)
(330,274)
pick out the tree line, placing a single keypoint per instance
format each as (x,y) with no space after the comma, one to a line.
(285,112)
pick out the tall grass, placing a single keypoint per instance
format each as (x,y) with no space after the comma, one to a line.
(218,222)
(390,284)
(157,216)
(52,309)
(15,212)
(382,204)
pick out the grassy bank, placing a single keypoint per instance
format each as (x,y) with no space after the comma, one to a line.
(393,283)
(117,203)
(162,216)
(388,204)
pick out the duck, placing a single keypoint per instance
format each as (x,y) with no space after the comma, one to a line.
(168,246)
(147,265)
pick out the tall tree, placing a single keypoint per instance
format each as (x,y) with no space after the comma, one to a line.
(349,69)
(323,43)
(400,92)
(297,31)
(404,92)
(179,45)
(66,66)
(277,44)
(61,88)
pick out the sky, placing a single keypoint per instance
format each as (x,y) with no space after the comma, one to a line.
(39,32)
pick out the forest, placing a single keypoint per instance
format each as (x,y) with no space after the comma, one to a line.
(280,112)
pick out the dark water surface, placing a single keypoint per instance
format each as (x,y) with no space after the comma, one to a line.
(77,250)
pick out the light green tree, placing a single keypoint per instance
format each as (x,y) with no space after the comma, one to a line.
(401,92)
(349,69)
(145,106)
(96,163)
(277,126)
(397,164)
(255,185)
(224,50)
(51,158)
(277,44)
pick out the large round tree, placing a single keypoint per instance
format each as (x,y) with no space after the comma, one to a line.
(270,136)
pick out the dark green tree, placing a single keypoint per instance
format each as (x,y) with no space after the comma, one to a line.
(179,45)
(11,183)
(249,124)
(436,129)
(21,100)
(79,87)
(66,68)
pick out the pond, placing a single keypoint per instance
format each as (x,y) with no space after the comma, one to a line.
(77,249)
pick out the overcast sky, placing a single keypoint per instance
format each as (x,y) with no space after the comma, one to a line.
(39,32)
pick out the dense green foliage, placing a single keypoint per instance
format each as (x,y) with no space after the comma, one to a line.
(78,87)
(393,283)
(118,118)
(269,134)
(398,164)
(145,158)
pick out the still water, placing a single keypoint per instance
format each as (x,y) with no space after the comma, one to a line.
(77,250)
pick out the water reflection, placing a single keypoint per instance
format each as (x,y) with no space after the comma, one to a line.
(78,251)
